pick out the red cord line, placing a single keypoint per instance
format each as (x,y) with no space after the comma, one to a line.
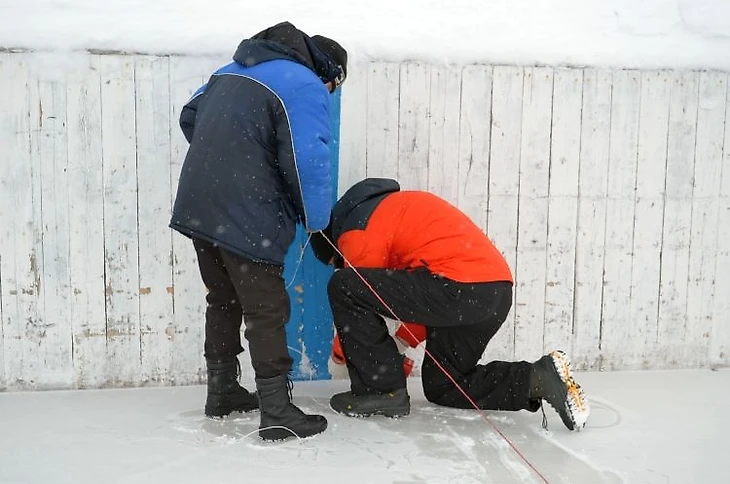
(440,367)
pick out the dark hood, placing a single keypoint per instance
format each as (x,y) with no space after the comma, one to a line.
(352,211)
(285,41)
(359,198)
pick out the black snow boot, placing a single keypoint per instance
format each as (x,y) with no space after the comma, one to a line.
(552,380)
(280,418)
(392,404)
(225,395)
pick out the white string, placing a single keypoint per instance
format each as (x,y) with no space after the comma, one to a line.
(294,434)
(299,263)
(438,364)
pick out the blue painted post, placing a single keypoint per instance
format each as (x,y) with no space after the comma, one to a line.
(310,330)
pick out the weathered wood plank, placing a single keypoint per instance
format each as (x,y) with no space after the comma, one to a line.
(720,343)
(121,244)
(537,108)
(152,123)
(474,140)
(86,204)
(30,323)
(413,125)
(353,127)
(623,150)
(443,140)
(563,209)
(16,223)
(705,212)
(504,185)
(679,176)
(49,144)
(591,224)
(382,122)
(639,349)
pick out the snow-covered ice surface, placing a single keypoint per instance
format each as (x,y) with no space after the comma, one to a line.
(646,427)
(615,33)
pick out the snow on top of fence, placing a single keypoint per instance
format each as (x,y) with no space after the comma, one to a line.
(609,33)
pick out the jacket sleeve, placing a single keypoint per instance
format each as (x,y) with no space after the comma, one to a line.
(303,152)
(188,113)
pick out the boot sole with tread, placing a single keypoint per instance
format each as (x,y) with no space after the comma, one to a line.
(576,404)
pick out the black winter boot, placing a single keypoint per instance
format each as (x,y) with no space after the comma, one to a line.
(552,380)
(281,419)
(225,395)
(391,404)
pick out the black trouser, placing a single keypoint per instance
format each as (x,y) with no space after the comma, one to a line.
(461,319)
(241,288)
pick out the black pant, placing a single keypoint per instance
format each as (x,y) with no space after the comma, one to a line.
(461,319)
(241,288)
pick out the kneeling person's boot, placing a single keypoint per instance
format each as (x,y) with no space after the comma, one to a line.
(552,380)
(280,418)
(225,395)
(390,404)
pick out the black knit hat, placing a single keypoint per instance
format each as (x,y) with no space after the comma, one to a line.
(336,52)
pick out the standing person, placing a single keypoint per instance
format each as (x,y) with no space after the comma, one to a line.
(431,265)
(258,163)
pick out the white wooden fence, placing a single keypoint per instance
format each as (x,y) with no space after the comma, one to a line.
(605,190)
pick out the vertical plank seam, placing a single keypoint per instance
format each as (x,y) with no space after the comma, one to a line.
(401,67)
(136,198)
(67,274)
(636,182)
(518,198)
(458,138)
(517,215)
(103,207)
(547,216)
(367,102)
(517,221)
(428,121)
(18,260)
(459,184)
(718,197)
(68,245)
(41,290)
(490,70)
(605,221)
(3,377)
(429,125)
(7,304)
(170,110)
(577,208)
(171,320)
(664,212)
(398,124)
(19,378)
(692,197)
(489,150)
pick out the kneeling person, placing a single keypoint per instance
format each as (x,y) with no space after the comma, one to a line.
(426,261)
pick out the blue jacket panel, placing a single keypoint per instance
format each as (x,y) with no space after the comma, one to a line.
(258,160)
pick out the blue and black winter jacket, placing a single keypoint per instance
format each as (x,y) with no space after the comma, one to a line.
(259,156)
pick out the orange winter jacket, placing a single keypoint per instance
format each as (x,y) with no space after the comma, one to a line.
(375,225)
(410,229)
